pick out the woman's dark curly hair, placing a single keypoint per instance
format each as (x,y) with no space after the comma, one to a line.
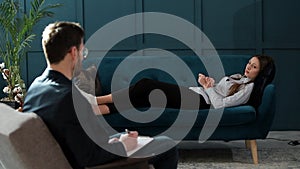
(265,77)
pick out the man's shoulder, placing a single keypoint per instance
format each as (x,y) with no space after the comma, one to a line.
(52,81)
(48,89)
(45,92)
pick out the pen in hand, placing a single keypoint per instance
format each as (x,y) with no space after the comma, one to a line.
(131,133)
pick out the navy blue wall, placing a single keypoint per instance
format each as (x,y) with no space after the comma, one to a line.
(234,27)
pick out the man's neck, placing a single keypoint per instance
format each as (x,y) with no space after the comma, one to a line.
(63,70)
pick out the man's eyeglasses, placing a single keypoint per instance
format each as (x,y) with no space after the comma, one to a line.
(85,52)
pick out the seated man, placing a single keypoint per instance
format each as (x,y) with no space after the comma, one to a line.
(51,97)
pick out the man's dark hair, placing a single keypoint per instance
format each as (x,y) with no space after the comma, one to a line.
(59,37)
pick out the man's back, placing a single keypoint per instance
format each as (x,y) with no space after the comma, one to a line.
(50,96)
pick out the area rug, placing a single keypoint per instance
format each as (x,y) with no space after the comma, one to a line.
(271,156)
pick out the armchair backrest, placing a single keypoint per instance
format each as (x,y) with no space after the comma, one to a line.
(26,142)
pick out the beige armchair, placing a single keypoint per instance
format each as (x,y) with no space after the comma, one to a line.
(26,143)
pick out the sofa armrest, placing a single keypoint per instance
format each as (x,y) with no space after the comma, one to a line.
(266,110)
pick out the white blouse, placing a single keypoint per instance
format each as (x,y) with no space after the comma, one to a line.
(217,95)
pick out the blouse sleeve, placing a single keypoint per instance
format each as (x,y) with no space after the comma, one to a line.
(241,97)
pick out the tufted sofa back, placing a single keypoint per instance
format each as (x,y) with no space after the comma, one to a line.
(127,70)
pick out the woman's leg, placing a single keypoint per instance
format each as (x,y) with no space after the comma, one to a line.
(103,102)
(176,97)
(104,99)
(104,109)
(140,92)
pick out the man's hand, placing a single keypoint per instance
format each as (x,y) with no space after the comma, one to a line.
(129,140)
(20,109)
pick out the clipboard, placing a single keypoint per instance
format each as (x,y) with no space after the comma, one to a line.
(142,142)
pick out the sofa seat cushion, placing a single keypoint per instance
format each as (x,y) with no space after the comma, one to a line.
(231,116)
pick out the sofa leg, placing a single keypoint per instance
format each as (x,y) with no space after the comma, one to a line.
(252,145)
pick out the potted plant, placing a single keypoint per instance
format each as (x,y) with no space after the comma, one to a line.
(16,27)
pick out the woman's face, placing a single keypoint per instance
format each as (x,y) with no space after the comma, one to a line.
(252,68)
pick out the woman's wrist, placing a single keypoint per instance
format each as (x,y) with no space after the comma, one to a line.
(207,87)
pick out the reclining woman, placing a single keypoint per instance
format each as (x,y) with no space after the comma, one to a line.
(231,90)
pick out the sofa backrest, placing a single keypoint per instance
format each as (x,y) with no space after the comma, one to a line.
(26,142)
(107,67)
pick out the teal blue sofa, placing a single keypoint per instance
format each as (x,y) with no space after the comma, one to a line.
(242,122)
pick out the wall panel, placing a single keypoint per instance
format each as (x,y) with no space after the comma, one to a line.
(183,9)
(230,23)
(36,65)
(99,13)
(281,22)
(287,88)
(69,11)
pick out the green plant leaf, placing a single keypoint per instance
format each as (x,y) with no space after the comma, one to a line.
(16,28)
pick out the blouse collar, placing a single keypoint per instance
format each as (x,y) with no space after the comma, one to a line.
(238,78)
